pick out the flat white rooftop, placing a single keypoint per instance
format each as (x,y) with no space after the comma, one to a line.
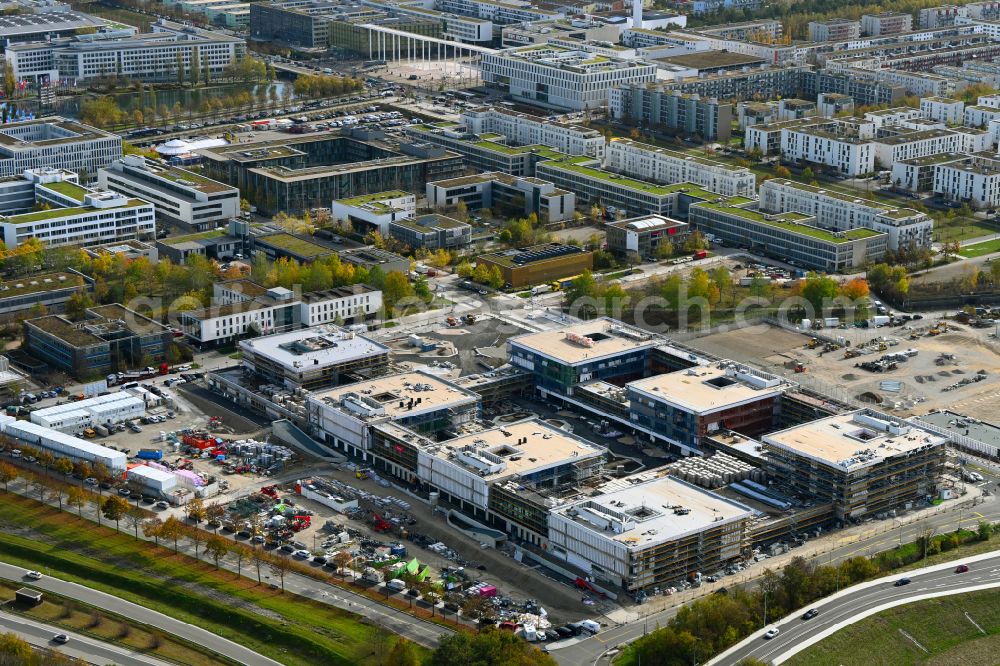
(394,394)
(95,405)
(151,473)
(640,511)
(518,449)
(313,348)
(707,389)
(854,440)
(587,341)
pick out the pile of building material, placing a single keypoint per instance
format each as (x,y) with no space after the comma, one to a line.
(715,471)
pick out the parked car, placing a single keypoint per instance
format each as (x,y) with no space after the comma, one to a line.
(287,548)
(162,505)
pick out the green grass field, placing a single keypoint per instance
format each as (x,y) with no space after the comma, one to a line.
(939,625)
(289,629)
(979,249)
(961,229)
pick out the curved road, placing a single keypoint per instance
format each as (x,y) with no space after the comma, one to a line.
(860,601)
(113,604)
(85,648)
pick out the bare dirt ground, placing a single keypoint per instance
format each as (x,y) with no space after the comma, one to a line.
(923,379)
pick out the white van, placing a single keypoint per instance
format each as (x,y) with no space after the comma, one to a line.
(396,584)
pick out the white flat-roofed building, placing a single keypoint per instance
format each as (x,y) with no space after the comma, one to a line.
(539,455)
(311,358)
(836,210)
(898,115)
(521,129)
(684,407)
(922,143)
(648,530)
(831,143)
(499,189)
(863,462)
(974,180)
(62,445)
(56,143)
(556,77)
(662,165)
(181,196)
(943,109)
(642,236)
(102,409)
(419,401)
(377,210)
(152,480)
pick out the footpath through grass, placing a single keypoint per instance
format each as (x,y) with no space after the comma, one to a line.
(292,630)
(979,249)
(940,626)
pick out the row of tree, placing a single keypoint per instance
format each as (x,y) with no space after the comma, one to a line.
(326,85)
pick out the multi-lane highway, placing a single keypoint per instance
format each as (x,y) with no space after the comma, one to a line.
(860,601)
(108,602)
(595,648)
(84,648)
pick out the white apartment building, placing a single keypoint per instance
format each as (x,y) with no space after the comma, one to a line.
(56,143)
(944,109)
(181,196)
(661,165)
(974,180)
(833,144)
(147,57)
(561,78)
(892,117)
(834,210)
(908,145)
(979,116)
(520,129)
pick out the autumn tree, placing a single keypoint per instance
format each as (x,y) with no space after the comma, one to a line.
(8,473)
(115,508)
(77,497)
(217,548)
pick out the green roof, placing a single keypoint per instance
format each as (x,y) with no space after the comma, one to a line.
(214,233)
(67,188)
(298,246)
(790,222)
(642,186)
(36,216)
(375,198)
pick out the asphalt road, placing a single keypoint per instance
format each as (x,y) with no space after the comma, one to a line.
(591,650)
(82,647)
(140,614)
(841,610)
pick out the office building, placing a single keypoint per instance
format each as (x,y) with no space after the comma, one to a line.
(130,250)
(165,54)
(484,152)
(181,196)
(862,462)
(431,232)
(834,30)
(596,186)
(352,33)
(46,290)
(842,212)
(295,23)
(302,172)
(312,358)
(418,401)
(32,27)
(242,307)
(505,194)
(56,143)
(886,23)
(78,216)
(539,264)
(662,165)
(111,338)
(300,248)
(600,349)
(646,531)
(684,407)
(374,212)
(556,77)
(789,235)
(687,114)
(640,238)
